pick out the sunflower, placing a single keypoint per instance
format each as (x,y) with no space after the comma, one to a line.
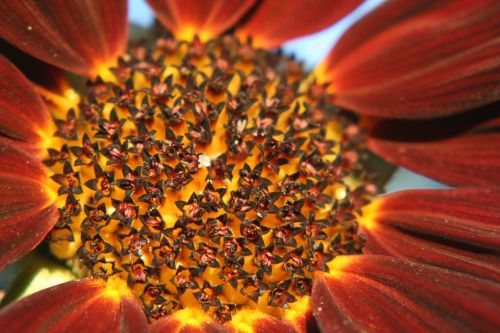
(203,181)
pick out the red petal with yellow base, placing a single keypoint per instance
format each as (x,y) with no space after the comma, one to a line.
(191,320)
(457,229)
(271,325)
(384,294)
(419,59)
(77,306)
(170,324)
(207,19)
(304,322)
(22,112)
(78,36)
(460,150)
(274,22)
(27,212)
(247,320)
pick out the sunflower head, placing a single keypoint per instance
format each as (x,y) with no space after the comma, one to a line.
(199,174)
(201,181)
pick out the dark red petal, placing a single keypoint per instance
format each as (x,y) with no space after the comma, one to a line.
(443,149)
(76,306)
(22,112)
(27,212)
(384,294)
(79,36)
(36,71)
(207,19)
(165,324)
(419,59)
(457,229)
(275,22)
(272,325)
(466,160)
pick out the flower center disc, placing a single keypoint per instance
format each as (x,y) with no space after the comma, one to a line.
(214,176)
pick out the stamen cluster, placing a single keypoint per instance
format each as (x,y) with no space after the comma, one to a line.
(212,175)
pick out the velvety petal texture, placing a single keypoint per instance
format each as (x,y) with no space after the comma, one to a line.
(419,59)
(462,150)
(27,212)
(274,22)
(384,294)
(79,36)
(23,115)
(207,19)
(76,306)
(457,229)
